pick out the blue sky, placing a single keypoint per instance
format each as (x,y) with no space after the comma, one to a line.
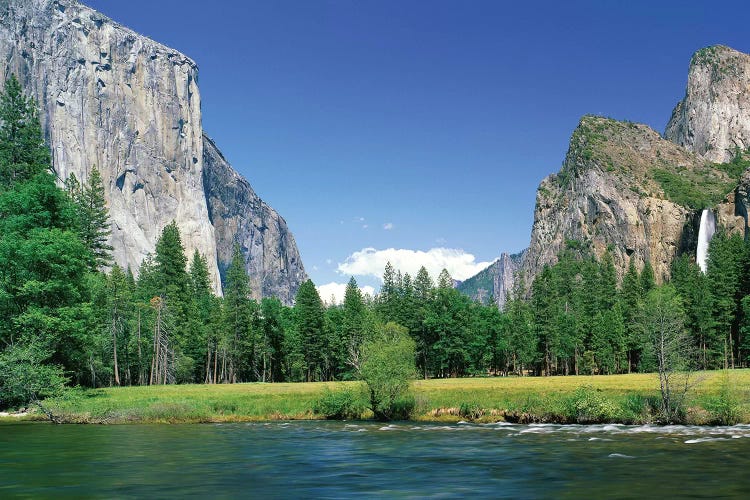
(418,125)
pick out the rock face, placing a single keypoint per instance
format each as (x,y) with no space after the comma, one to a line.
(606,197)
(625,189)
(130,106)
(713,119)
(239,216)
(496,281)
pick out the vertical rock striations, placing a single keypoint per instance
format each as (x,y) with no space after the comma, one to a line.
(713,119)
(240,216)
(496,281)
(607,197)
(130,106)
(625,189)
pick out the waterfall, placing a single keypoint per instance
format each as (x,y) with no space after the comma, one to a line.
(705,233)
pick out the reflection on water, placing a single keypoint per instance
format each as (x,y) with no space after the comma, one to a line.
(338,459)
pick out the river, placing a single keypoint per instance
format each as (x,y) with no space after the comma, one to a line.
(343,459)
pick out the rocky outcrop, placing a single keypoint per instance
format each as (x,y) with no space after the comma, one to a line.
(606,197)
(130,106)
(496,281)
(113,99)
(713,119)
(240,217)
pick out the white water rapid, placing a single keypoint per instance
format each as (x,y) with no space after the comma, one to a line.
(705,233)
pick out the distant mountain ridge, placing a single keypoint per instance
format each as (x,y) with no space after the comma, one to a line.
(495,281)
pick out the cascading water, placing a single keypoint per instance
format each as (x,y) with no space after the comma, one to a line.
(705,233)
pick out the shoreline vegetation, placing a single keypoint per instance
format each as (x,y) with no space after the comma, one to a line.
(718,398)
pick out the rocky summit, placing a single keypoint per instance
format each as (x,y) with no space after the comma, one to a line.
(626,189)
(496,281)
(713,119)
(113,99)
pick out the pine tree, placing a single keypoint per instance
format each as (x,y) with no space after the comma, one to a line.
(648,282)
(118,308)
(631,294)
(424,293)
(43,284)
(388,299)
(726,261)
(522,341)
(355,328)
(201,342)
(310,323)
(171,264)
(608,282)
(444,280)
(23,153)
(238,319)
(273,332)
(170,306)
(93,218)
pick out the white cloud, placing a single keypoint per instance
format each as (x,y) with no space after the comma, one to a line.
(315,268)
(371,262)
(365,226)
(388,226)
(329,261)
(335,292)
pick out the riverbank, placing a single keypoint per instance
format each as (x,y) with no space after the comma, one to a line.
(629,399)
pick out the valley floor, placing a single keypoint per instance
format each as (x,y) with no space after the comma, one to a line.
(615,398)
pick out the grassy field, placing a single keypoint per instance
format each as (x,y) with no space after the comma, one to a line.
(616,398)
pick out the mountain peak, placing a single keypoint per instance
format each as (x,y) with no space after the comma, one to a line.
(713,119)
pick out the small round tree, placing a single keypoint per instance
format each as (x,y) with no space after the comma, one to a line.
(387,368)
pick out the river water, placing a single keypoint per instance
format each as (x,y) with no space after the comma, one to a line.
(340,459)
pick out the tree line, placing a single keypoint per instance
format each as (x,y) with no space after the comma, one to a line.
(72,316)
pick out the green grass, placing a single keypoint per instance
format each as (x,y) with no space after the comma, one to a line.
(702,188)
(483,399)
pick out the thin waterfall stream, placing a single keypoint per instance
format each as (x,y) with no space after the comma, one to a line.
(705,233)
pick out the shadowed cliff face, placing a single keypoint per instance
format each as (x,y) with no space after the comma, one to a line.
(240,216)
(130,106)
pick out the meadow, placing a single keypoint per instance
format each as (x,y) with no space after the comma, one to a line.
(608,398)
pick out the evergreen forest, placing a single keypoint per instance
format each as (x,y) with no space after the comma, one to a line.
(71,316)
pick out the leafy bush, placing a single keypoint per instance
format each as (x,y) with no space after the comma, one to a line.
(684,192)
(344,404)
(702,188)
(471,411)
(387,368)
(402,407)
(24,379)
(589,406)
(725,407)
(638,408)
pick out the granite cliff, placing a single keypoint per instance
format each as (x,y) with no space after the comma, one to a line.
(239,216)
(114,99)
(625,188)
(713,119)
(494,282)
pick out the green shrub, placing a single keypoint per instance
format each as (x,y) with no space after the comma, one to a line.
(387,368)
(589,406)
(403,407)
(343,404)
(725,407)
(470,411)
(25,379)
(638,408)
